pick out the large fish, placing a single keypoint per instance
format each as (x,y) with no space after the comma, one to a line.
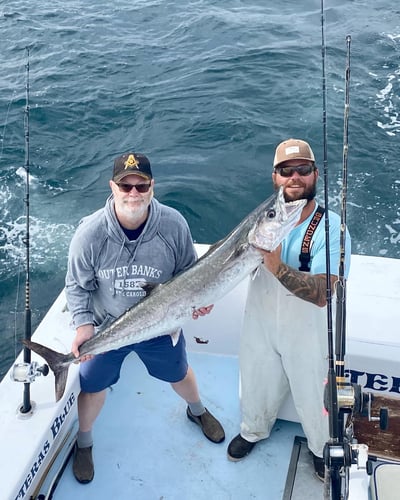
(169,305)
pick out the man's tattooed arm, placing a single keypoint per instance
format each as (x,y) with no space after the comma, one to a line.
(306,286)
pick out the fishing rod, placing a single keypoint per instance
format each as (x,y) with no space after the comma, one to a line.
(344,399)
(331,384)
(26,404)
(346,396)
(337,453)
(27,371)
(341,283)
(331,388)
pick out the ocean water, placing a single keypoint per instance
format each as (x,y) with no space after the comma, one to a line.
(206,89)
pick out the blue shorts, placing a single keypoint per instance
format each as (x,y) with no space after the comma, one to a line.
(162,360)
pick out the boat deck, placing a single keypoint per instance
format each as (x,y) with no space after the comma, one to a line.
(146,448)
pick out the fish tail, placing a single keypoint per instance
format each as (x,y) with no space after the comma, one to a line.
(58,363)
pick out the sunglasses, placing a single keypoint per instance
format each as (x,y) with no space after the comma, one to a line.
(302,170)
(127,188)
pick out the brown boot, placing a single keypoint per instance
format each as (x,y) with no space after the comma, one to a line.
(82,466)
(210,426)
(239,448)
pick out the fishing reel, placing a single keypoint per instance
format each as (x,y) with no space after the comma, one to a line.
(344,451)
(351,399)
(27,372)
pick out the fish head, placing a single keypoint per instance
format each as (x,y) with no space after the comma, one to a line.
(275,222)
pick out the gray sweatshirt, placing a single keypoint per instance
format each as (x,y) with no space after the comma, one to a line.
(106,271)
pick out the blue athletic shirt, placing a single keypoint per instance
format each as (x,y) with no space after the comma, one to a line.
(291,246)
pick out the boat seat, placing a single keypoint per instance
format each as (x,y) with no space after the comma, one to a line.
(385,482)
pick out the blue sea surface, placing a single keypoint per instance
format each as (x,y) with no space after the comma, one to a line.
(206,89)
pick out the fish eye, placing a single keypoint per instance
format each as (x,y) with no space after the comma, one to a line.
(271,214)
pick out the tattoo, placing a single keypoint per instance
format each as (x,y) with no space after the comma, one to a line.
(306,286)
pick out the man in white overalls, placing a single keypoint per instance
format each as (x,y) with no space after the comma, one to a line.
(284,343)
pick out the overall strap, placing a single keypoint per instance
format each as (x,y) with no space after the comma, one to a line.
(304,256)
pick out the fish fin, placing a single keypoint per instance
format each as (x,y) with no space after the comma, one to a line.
(212,248)
(240,249)
(60,382)
(56,361)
